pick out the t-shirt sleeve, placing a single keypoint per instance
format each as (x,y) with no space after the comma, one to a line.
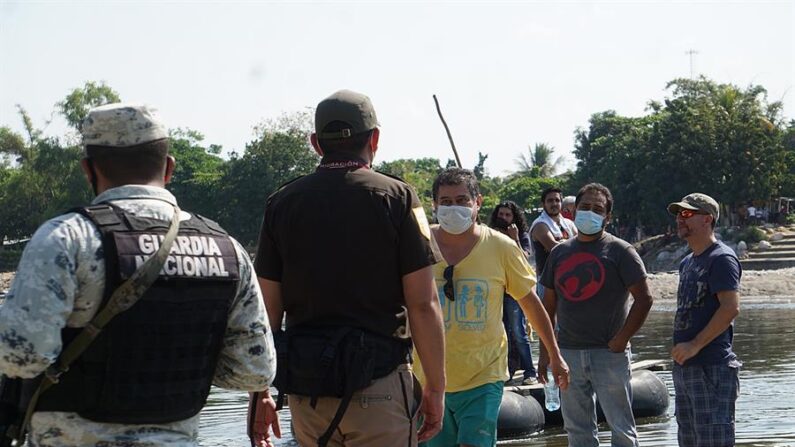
(414,236)
(520,278)
(724,274)
(268,260)
(630,267)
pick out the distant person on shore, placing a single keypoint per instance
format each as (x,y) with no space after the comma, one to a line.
(587,281)
(781,218)
(751,210)
(478,267)
(567,209)
(742,214)
(508,219)
(706,369)
(549,229)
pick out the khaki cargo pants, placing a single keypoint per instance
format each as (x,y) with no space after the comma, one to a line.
(383,414)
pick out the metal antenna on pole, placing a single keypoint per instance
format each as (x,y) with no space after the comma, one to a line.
(690,53)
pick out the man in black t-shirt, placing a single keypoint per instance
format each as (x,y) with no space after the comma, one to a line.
(348,247)
(587,282)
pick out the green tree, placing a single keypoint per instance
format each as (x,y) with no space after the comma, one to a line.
(30,129)
(490,188)
(45,181)
(196,181)
(614,151)
(524,190)
(80,100)
(280,153)
(31,193)
(709,137)
(13,145)
(62,181)
(788,177)
(419,173)
(480,168)
(539,161)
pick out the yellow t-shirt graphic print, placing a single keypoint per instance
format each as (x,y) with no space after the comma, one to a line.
(476,348)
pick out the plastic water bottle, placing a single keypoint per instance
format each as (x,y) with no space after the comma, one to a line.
(551,393)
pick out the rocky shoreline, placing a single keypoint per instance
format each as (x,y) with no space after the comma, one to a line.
(756,284)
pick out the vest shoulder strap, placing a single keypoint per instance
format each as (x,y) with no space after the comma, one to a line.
(211,225)
(106,217)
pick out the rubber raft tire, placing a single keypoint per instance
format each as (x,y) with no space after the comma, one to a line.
(649,398)
(519,416)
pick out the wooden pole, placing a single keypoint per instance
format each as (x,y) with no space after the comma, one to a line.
(447,129)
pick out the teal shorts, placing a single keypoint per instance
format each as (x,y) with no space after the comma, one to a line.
(470,417)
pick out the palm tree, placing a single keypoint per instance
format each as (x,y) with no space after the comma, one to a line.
(538,161)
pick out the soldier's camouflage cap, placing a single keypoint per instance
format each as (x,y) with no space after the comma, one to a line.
(122,125)
(352,108)
(696,202)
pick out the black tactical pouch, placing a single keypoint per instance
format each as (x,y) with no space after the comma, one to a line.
(333,362)
(325,363)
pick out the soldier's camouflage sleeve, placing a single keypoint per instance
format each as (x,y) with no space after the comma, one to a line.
(248,359)
(62,429)
(41,299)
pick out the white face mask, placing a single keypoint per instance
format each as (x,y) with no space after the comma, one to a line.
(454,219)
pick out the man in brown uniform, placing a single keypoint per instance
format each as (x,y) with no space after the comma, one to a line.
(344,251)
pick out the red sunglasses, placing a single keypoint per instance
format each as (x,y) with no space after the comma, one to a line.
(687,214)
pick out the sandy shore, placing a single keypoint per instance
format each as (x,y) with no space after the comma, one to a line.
(755,284)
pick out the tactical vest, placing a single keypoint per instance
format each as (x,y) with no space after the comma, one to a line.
(155,362)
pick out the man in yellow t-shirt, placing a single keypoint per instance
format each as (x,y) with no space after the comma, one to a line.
(479,266)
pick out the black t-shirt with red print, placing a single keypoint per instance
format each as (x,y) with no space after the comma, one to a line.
(592,280)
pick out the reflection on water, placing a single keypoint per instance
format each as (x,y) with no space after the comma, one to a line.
(764,339)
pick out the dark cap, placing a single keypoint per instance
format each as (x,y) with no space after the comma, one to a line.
(696,202)
(351,108)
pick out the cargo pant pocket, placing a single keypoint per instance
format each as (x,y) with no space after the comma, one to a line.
(368,400)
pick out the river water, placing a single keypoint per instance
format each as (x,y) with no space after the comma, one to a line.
(764,341)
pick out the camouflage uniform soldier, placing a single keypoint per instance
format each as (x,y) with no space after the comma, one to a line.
(143,381)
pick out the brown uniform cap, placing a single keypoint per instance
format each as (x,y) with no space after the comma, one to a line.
(352,108)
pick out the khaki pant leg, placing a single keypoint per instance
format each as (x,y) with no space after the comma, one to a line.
(309,424)
(376,416)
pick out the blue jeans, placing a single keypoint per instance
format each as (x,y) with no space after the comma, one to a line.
(516,328)
(598,373)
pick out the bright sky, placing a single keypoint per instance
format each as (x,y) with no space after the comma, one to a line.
(508,75)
